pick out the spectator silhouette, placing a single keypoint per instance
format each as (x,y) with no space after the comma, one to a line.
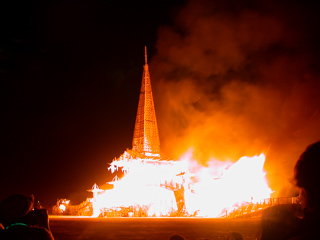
(176,237)
(234,236)
(21,221)
(282,224)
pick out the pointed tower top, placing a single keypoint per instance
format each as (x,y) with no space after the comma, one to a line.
(145,54)
(146,137)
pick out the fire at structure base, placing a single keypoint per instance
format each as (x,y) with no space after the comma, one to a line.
(149,187)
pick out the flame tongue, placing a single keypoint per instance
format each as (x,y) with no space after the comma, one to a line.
(244,181)
(155,185)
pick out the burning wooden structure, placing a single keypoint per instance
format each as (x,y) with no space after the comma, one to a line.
(158,184)
(154,186)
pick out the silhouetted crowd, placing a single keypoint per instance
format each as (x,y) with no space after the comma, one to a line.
(20,220)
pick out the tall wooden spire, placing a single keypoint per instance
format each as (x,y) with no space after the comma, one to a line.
(146,137)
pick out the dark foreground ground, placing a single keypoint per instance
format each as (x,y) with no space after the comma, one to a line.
(151,228)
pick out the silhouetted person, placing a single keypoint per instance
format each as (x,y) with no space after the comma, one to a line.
(281,224)
(234,236)
(21,221)
(176,237)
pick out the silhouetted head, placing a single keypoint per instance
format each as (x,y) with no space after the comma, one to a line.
(234,236)
(14,208)
(307,176)
(176,237)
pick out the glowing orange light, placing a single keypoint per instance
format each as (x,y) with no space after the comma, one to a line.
(63,204)
(207,191)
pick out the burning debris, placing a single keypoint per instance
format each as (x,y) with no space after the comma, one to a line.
(63,204)
(65,207)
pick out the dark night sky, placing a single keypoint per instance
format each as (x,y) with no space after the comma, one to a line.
(70,76)
(70,79)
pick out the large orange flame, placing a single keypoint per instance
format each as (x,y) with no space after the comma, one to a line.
(228,186)
(208,191)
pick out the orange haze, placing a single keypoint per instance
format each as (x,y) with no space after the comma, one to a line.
(233,82)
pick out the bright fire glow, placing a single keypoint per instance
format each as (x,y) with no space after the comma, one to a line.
(62,207)
(63,204)
(228,186)
(207,191)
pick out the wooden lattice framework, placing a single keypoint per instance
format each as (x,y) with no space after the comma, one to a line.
(146,136)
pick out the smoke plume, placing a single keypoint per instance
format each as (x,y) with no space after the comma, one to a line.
(239,78)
